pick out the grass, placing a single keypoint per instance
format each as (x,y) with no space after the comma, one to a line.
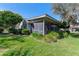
(17,45)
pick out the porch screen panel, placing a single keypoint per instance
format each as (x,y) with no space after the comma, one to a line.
(38,27)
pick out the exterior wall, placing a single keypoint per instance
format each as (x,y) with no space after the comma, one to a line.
(50,27)
(30,27)
(74,28)
(44,27)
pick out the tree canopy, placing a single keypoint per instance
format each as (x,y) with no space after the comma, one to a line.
(68,11)
(9,19)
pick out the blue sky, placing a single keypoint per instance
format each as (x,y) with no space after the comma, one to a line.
(28,10)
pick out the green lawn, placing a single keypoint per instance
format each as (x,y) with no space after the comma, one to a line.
(29,45)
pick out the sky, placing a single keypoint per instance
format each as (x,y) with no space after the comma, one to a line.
(29,10)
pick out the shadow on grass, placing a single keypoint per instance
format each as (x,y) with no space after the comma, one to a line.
(76,35)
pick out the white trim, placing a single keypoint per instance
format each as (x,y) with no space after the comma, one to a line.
(43,27)
(38,17)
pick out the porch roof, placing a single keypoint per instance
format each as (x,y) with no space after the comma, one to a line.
(44,17)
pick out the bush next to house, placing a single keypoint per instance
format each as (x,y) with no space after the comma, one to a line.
(19,31)
(37,35)
(15,31)
(25,32)
(65,34)
(12,30)
(51,37)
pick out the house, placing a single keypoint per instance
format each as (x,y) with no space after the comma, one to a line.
(74,27)
(41,24)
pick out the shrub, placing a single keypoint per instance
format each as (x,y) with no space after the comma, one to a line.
(60,35)
(1,30)
(37,35)
(15,31)
(68,31)
(25,32)
(55,34)
(51,37)
(65,34)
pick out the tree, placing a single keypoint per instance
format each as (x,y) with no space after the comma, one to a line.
(69,12)
(9,19)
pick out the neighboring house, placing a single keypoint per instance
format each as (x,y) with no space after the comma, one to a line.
(41,24)
(74,27)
